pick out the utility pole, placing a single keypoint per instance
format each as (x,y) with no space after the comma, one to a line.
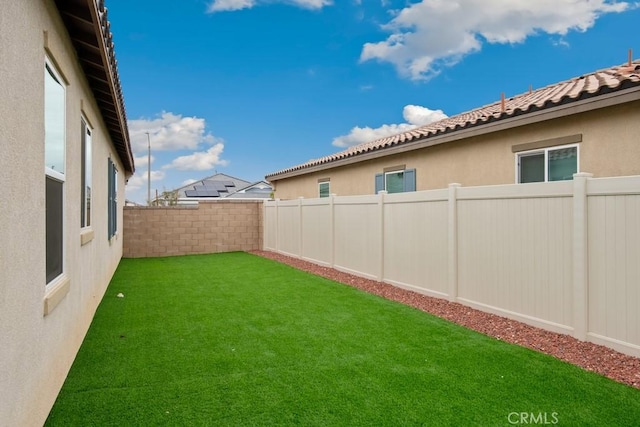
(149,172)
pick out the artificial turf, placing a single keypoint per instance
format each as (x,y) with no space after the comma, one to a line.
(235,339)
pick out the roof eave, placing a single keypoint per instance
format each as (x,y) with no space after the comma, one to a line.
(76,15)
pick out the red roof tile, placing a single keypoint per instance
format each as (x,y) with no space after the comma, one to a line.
(587,86)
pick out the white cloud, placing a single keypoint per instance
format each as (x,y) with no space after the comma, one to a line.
(359,135)
(199,161)
(139,180)
(420,116)
(188,181)
(231,5)
(136,189)
(561,42)
(432,34)
(179,143)
(168,132)
(311,4)
(143,160)
(415,115)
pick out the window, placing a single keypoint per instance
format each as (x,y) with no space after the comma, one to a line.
(112,203)
(324,189)
(85,178)
(549,164)
(396,181)
(54,156)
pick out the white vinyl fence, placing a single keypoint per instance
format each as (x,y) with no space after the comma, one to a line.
(563,256)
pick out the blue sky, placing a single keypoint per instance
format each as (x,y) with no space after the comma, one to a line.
(249,87)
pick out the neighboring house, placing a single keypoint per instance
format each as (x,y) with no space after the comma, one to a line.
(65,157)
(589,124)
(222,186)
(256,190)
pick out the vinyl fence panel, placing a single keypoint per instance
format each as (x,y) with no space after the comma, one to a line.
(415,241)
(317,233)
(564,256)
(358,235)
(270,227)
(514,255)
(614,262)
(289,227)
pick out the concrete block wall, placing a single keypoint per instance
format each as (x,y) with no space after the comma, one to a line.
(210,227)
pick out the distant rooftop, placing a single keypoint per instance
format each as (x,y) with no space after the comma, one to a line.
(224,186)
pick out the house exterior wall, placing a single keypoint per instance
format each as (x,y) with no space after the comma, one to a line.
(609,147)
(37,350)
(209,227)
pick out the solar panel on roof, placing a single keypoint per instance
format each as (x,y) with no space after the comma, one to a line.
(191,193)
(208,193)
(228,183)
(220,186)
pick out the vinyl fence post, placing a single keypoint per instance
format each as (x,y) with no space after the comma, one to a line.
(381,195)
(332,231)
(300,240)
(580,257)
(277,214)
(452,238)
(264,228)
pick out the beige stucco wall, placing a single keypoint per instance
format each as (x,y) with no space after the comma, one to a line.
(36,351)
(610,147)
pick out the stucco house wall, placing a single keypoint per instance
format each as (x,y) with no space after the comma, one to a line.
(42,327)
(483,155)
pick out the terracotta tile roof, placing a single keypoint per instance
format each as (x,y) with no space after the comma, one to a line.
(586,86)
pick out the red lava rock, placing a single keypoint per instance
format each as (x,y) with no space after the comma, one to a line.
(589,356)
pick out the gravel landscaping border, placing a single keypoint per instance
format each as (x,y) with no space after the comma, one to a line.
(589,356)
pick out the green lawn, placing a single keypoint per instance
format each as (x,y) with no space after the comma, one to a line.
(235,339)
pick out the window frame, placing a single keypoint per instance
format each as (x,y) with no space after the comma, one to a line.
(544,151)
(112,200)
(86,173)
(386,184)
(59,175)
(320,185)
(52,175)
(407,174)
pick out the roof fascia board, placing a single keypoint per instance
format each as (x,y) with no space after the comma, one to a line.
(105,50)
(563,110)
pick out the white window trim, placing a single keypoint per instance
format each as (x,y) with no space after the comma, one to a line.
(322,183)
(61,177)
(389,173)
(87,128)
(546,159)
(55,174)
(115,200)
(51,172)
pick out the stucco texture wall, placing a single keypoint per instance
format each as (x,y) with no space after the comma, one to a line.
(210,227)
(609,147)
(37,350)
